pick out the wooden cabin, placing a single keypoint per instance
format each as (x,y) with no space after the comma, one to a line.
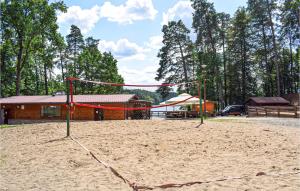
(267,101)
(54,107)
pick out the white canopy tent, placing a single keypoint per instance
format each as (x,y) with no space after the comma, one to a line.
(183,97)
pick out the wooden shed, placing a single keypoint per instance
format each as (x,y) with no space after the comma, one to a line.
(294,98)
(267,101)
(53,107)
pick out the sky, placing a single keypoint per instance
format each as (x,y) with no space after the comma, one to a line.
(131,29)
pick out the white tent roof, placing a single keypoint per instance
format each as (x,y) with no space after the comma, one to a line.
(162,103)
(182,97)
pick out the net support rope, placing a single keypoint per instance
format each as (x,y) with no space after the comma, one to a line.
(137,187)
(131,85)
(71,79)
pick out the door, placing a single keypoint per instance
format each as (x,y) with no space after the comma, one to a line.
(6,114)
(98,113)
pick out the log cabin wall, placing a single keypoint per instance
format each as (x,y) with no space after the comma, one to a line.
(115,114)
(34,112)
(31,111)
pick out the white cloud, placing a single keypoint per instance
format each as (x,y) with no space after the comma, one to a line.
(85,19)
(132,10)
(181,10)
(155,42)
(144,75)
(123,49)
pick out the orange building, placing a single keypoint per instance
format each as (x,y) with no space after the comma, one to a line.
(54,107)
(210,107)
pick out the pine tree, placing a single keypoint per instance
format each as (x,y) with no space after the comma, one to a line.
(75,45)
(289,33)
(240,53)
(206,26)
(175,55)
(262,44)
(224,22)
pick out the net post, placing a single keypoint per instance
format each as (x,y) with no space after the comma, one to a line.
(68,106)
(200,101)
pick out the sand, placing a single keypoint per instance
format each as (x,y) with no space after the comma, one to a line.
(151,152)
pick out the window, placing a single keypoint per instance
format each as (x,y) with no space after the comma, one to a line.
(50,111)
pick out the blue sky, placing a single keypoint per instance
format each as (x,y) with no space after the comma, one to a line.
(131,29)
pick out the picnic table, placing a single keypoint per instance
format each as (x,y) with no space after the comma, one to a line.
(182,114)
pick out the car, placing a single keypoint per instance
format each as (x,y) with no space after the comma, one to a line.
(233,110)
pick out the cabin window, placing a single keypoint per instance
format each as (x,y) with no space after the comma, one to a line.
(50,111)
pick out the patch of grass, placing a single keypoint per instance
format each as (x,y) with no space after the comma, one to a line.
(226,120)
(2,160)
(221,120)
(6,126)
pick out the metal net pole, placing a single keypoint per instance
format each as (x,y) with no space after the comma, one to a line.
(200,101)
(68,107)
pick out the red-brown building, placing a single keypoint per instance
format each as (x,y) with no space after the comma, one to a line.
(53,107)
(267,101)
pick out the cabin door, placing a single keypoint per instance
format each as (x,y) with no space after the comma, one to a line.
(6,114)
(98,113)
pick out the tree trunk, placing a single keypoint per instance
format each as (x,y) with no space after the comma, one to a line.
(224,65)
(269,72)
(36,78)
(18,67)
(45,79)
(184,67)
(62,67)
(268,83)
(75,68)
(292,65)
(274,47)
(243,58)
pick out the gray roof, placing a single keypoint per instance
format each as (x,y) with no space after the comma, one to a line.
(269,100)
(115,98)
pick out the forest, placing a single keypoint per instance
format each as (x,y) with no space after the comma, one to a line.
(253,53)
(36,58)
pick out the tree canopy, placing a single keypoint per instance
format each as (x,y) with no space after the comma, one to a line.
(254,53)
(32,50)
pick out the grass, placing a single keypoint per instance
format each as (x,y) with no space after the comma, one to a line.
(2,159)
(6,126)
(226,120)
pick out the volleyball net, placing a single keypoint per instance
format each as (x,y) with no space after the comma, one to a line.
(128,101)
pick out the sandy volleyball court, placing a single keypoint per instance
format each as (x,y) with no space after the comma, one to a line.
(153,152)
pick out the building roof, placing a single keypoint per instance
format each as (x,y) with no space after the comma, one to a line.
(116,98)
(269,100)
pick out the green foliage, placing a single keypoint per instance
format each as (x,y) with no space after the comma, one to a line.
(24,23)
(176,63)
(96,66)
(154,97)
(251,54)
(32,50)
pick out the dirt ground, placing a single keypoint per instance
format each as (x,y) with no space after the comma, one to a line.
(151,152)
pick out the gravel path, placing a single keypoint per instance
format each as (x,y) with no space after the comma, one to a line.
(287,122)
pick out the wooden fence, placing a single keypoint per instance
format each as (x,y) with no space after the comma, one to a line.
(273,111)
